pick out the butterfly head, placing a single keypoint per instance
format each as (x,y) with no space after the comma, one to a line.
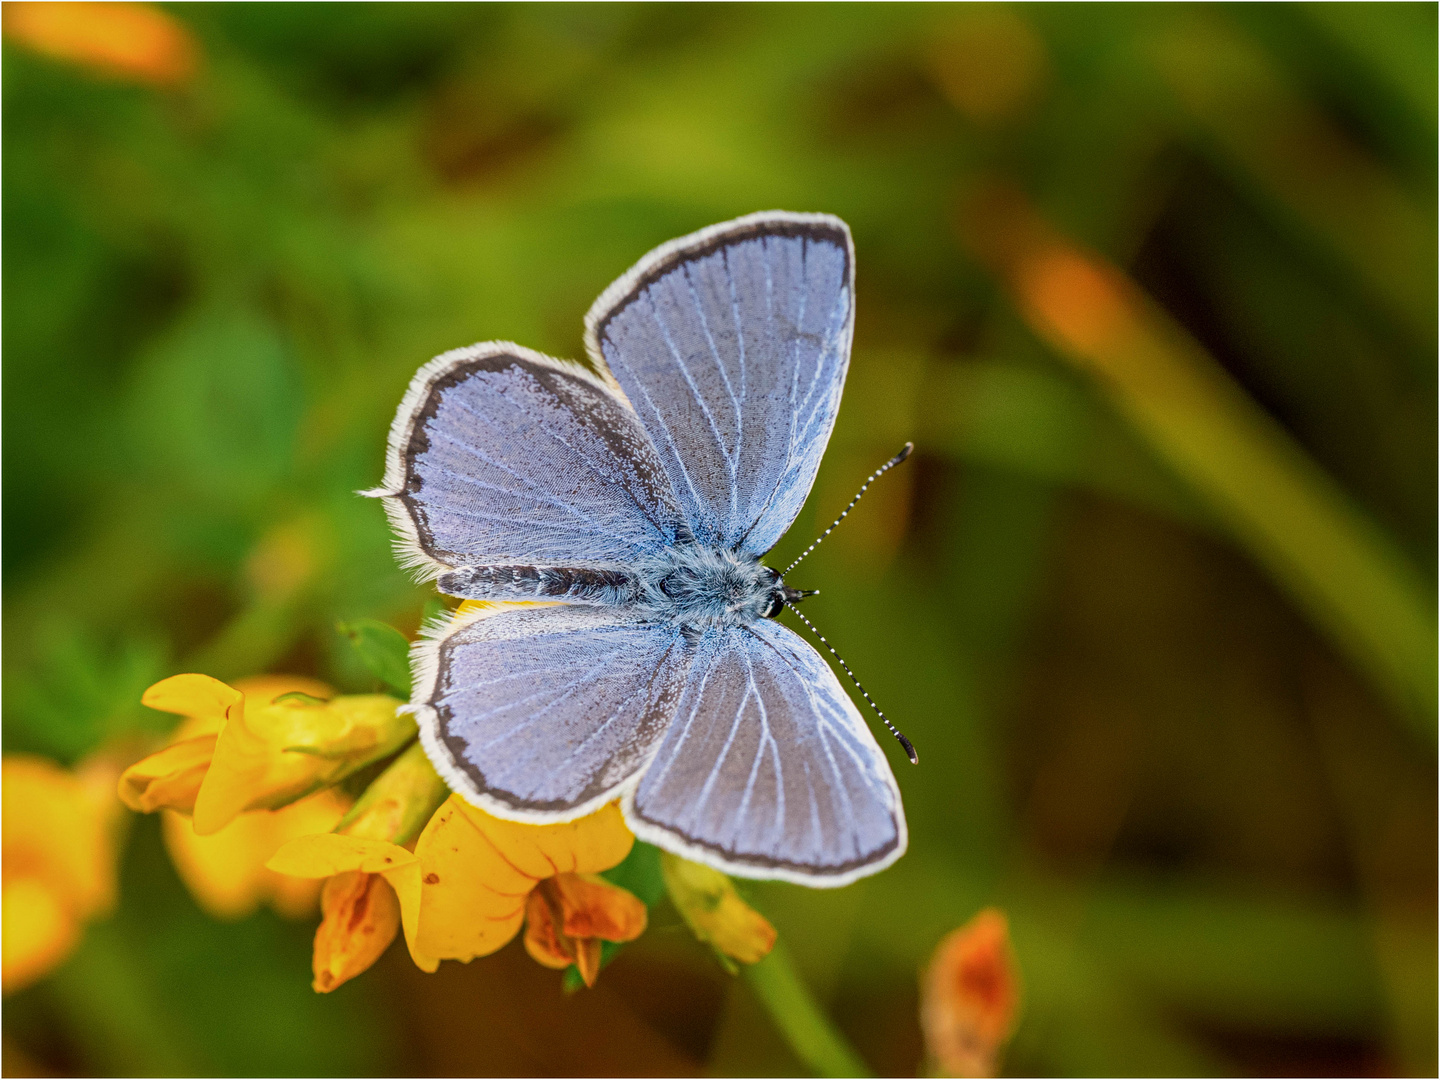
(780,594)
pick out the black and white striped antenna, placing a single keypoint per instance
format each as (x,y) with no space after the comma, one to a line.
(881,471)
(896,460)
(909,747)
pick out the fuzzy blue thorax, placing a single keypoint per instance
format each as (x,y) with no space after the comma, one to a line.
(696,585)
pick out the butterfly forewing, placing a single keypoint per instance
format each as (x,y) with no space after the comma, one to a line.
(502,455)
(732,346)
(768,769)
(542,713)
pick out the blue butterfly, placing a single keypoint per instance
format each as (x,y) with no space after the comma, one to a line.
(636,504)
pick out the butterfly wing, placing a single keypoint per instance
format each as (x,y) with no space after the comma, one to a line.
(768,769)
(501,455)
(732,345)
(546,713)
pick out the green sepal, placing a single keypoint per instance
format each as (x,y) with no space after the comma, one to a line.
(383,650)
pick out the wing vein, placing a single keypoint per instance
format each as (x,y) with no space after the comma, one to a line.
(719,364)
(689,379)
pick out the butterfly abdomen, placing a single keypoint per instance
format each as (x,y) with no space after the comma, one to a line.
(688,584)
(577,584)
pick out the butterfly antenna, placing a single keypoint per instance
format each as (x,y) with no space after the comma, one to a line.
(881,471)
(909,747)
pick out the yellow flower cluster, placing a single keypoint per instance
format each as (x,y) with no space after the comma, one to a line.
(252,766)
(252,813)
(467,887)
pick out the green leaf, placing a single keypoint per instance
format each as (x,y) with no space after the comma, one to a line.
(640,873)
(383,650)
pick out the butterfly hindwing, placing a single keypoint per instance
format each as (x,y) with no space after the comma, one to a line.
(732,345)
(768,769)
(500,455)
(544,713)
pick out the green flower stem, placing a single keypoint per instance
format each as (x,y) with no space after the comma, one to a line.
(805,1026)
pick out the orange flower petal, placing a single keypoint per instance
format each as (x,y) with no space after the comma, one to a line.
(593,908)
(544,941)
(361,917)
(328,854)
(587,959)
(567,915)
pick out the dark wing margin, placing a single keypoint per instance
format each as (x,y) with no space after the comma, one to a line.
(768,770)
(501,455)
(732,345)
(546,713)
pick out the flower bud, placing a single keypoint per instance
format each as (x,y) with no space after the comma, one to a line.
(399,802)
(708,902)
(969,996)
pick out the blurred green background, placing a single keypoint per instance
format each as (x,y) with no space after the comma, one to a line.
(1187,750)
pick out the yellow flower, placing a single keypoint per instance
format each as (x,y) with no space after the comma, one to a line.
(465,890)
(361,912)
(59,863)
(226,872)
(708,902)
(280,748)
(170,778)
(969,997)
(334,854)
